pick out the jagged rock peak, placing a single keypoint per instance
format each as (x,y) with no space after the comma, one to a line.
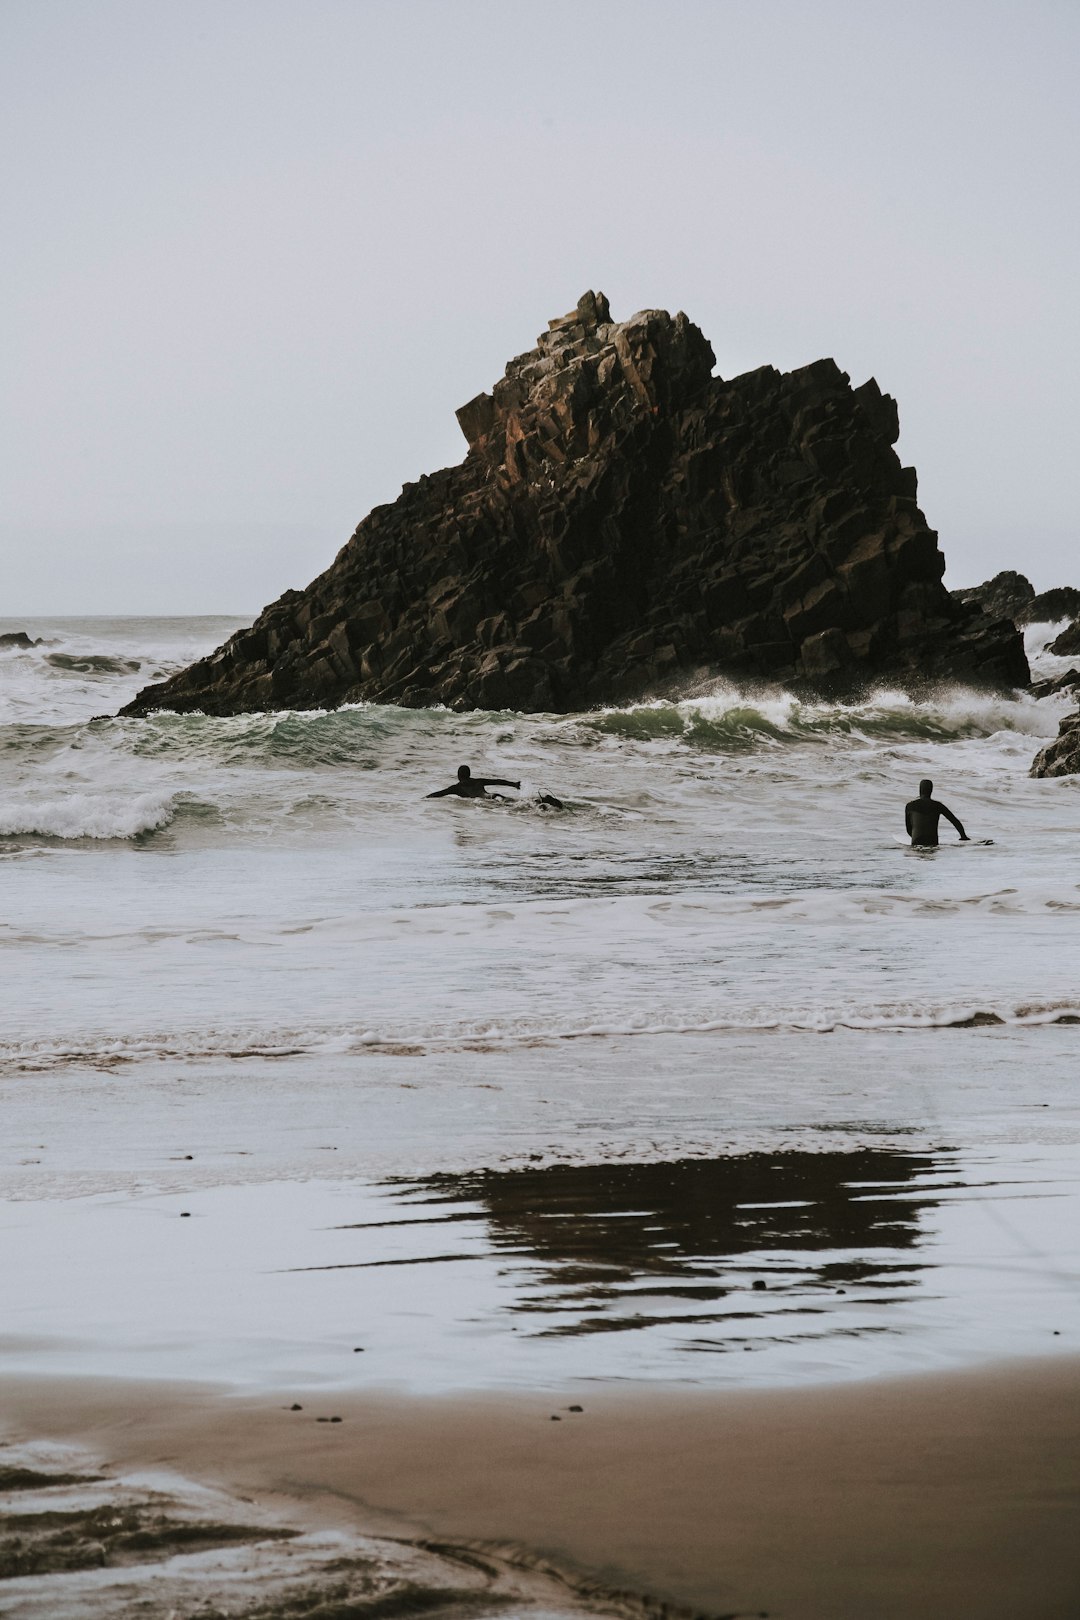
(1010,595)
(624,520)
(656,360)
(1004,597)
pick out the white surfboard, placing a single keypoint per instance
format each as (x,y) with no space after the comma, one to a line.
(952,843)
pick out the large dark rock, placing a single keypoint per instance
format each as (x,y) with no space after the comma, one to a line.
(622,519)
(1062,756)
(1063,602)
(1006,596)
(1052,686)
(1068,643)
(18,638)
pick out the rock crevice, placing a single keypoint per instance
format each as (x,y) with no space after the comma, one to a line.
(623,519)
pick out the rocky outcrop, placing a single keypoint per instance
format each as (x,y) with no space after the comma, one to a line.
(18,638)
(1062,756)
(1006,596)
(1063,602)
(1068,643)
(1010,595)
(1055,684)
(621,520)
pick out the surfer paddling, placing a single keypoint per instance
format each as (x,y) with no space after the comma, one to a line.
(922,815)
(469,786)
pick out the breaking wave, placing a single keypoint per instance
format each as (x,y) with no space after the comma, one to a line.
(94,663)
(85,815)
(726,721)
(246,1044)
(359,735)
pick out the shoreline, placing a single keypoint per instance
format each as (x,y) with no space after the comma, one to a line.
(943,1493)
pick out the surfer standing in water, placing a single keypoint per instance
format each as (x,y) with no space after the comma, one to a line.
(922,815)
(469,786)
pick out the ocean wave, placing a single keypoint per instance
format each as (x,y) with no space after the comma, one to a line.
(302,737)
(75,668)
(1037,639)
(694,922)
(246,1044)
(682,916)
(107,1053)
(895,1019)
(76,661)
(85,815)
(93,663)
(727,721)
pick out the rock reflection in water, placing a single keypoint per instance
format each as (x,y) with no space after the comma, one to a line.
(613,1247)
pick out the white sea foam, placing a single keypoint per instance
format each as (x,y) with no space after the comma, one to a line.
(245,1045)
(84,815)
(1037,639)
(728,718)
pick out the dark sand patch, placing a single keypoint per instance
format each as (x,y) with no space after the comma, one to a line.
(96,1537)
(954,1494)
(115,1546)
(35,1479)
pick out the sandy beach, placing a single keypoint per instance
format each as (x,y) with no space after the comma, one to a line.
(954,1494)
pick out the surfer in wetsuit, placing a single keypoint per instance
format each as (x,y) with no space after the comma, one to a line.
(469,786)
(922,815)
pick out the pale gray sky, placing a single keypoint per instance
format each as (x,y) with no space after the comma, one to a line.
(257,251)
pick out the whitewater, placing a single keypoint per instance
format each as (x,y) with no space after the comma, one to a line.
(247,955)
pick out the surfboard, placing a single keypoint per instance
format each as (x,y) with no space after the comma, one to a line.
(952,843)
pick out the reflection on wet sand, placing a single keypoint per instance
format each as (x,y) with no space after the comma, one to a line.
(729,1242)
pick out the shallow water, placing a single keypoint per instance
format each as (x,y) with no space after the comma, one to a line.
(253,940)
(817,1265)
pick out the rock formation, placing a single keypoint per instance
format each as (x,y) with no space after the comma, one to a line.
(1068,642)
(1062,602)
(1006,596)
(1062,756)
(1052,685)
(624,519)
(18,638)
(1010,595)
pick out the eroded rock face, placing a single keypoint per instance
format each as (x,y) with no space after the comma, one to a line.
(1055,684)
(1062,756)
(1006,596)
(1068,642)
(624,518)
(1062,602)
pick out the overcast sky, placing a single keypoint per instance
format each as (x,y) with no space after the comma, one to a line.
(257,251)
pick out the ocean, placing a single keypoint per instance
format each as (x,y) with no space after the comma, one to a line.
(706,1062)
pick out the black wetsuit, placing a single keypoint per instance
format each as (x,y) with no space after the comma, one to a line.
(472,787)
(921,817)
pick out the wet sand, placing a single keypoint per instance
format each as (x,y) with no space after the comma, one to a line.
(953,1494)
